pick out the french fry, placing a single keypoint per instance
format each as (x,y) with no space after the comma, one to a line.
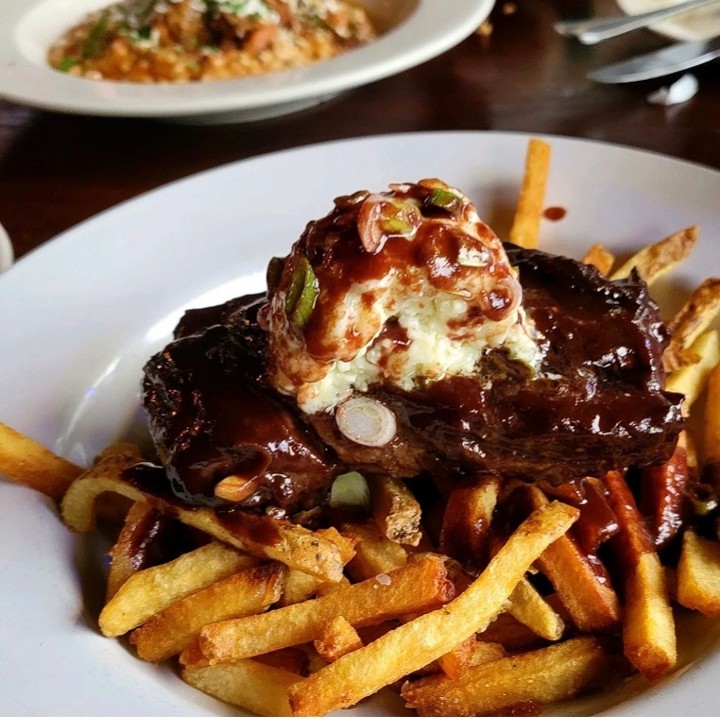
(374,553)
(648,624)
(470,653)
(711,429)
(28,462)
(528,213)
(337,638)
(587,595)
(299,587)
(169,631)
(250,684)
(597,521)
(557,672)
(690,380)
(322,554)
(419,586)
(599,257)
(698,574)
(656,260)
(127,555)
(426,638)
(695,316)
(151,590)
(528,607)
(396,511)
(457,660)
(466,522)
(663,495)
(508,632)
(291,659)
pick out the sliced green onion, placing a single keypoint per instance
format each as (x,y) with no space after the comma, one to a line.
(441,197)
(366,421)
(396,225)
(302,293)
(350,490)
(67,63)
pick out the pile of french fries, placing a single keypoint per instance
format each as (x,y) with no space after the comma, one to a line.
(566,594)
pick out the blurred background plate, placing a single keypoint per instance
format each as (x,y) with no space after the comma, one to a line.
(696,25)
(412,31)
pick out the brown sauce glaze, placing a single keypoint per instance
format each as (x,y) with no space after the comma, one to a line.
(212,414)
(339,259)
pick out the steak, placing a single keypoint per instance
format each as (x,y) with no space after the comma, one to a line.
(597,402)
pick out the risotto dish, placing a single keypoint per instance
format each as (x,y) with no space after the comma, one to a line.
(194,40)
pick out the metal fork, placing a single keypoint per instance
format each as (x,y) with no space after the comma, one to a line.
(590,32)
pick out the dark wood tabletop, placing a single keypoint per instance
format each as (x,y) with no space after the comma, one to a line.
(57,170)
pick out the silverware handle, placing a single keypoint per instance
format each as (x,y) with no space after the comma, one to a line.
(590,32)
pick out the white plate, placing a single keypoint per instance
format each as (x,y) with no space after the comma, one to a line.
(413,31)
(7,254)
(83,313)
(697,25)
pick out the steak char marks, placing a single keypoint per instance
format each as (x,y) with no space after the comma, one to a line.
(596,404)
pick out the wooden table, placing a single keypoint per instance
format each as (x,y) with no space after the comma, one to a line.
(56,170)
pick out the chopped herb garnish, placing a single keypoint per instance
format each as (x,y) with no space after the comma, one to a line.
(67,63)
(97,37)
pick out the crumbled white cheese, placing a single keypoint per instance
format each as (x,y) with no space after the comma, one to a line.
(434,349)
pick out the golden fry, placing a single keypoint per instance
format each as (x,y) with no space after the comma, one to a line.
(528,213)
(648,624)
(470,653)
(711,425)
(250,684)
(690,322)
(172,629)
(374,553)
(30,463)
(598,256)
(698,574)
(426,638)
(529,607)
(396,511)
(419,586)
(322,553)
(654,261)
(127,554)
(152,590)
(466,522)
(588,596)
(338,638)
(690,380)
(493,689)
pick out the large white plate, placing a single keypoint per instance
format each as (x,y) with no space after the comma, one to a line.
(413,31)
(83,313)
(692,26)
